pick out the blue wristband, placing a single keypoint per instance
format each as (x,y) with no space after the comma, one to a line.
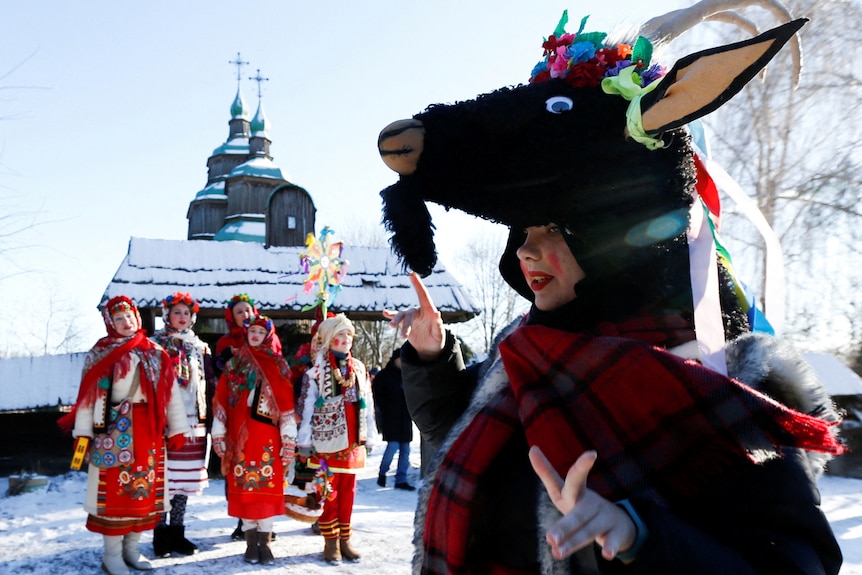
(641,528)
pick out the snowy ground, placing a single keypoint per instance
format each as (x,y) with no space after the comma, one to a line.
(43,532)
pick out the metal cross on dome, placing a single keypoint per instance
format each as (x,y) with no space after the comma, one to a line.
(239,63)
(259,79)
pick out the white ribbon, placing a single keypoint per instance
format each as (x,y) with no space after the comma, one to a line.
(703,270)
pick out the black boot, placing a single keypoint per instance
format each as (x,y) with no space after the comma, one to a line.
(263,539)
(182,545)
(162,540)
(237,534)
(381,480)
(252,550)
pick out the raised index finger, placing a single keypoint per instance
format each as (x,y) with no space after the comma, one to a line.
(425,302)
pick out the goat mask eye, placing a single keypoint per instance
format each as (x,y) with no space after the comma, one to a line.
(558,104)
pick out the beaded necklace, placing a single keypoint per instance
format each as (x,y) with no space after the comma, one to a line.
(336,371)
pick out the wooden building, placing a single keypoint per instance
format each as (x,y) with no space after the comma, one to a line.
(247,197)
(246,232)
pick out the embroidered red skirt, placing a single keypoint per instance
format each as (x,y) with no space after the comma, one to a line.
(131,497)
(255,480)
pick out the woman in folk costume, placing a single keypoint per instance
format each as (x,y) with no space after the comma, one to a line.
(629,423)
(254,432)
(125,403)
(187,467)
(336,404)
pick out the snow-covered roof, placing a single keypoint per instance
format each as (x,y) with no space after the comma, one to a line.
(46,381)
(238,145)
(214,190)
(258,166)
(837,378)
(213,272)
(243,228)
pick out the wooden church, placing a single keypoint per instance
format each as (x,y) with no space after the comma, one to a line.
(247,231)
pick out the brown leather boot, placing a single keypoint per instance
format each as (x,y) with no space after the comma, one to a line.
(252,551)
(263,539)
(331,552)
(347,550)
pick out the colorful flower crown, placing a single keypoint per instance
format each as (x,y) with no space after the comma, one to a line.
(583,61)
(238,298)
(179,297)
(261,320)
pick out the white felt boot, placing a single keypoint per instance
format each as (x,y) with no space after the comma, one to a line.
(132,555)
(112,560)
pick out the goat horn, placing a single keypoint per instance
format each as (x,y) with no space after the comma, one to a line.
(669,26)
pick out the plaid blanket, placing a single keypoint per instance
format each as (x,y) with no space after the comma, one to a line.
(662,426)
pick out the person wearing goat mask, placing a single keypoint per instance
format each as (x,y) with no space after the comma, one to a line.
(631,422)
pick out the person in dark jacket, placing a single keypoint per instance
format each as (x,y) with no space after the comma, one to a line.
(393,420)
(630,422)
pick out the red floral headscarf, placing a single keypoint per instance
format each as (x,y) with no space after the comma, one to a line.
(115,349)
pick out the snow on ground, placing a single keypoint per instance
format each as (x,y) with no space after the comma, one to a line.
(43,532)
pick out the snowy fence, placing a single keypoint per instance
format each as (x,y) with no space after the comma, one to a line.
(45,381)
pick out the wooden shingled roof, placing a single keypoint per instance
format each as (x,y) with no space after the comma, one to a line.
(215,271)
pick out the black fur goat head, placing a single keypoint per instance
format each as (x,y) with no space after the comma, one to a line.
(557,151)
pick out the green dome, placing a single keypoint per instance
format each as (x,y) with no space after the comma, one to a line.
(260,123)
(238,109)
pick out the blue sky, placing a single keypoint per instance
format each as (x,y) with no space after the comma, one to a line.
(109,111)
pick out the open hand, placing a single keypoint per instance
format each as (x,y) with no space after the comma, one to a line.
(587,516)
(423,325)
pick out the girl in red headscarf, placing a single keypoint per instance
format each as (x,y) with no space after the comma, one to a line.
(125,402)
(254,432)
(240,309)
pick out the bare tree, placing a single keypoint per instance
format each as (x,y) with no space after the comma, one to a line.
(796,152)
(15,224)
(14,221)
(56,326)
(375,341)
(365,235)
(478,268)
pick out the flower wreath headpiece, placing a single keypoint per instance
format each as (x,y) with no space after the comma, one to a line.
(238,298)
(583,60)
(179,297)
(260,321)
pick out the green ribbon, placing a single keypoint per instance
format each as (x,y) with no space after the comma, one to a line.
(628,85)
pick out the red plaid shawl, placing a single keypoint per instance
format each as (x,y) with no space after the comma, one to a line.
(662,426)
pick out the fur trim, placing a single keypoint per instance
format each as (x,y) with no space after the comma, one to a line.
(774,368)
